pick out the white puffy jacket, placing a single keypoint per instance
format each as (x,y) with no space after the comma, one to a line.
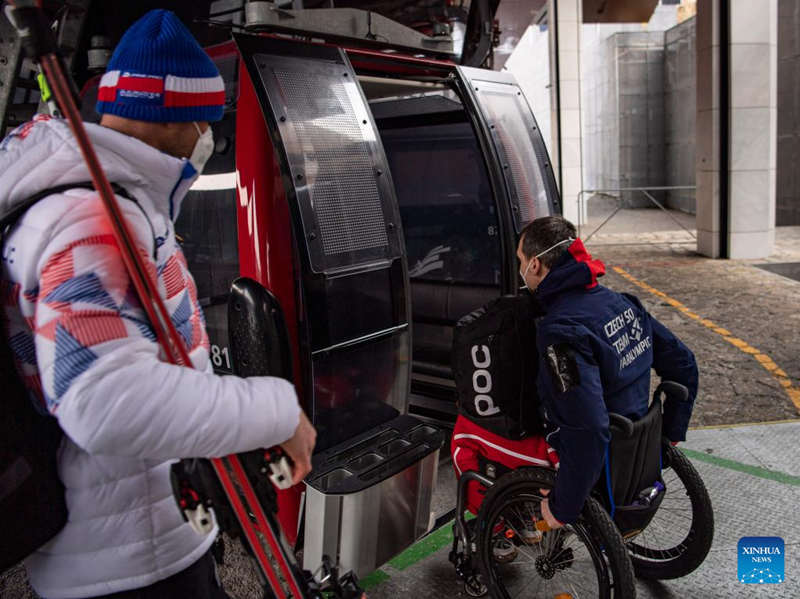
(87,352)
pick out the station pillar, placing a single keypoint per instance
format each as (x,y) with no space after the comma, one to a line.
(736,103)
(565,18)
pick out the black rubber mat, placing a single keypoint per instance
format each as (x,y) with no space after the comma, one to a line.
(790,270)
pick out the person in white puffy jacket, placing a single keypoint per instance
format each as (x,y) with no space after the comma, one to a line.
(83,344)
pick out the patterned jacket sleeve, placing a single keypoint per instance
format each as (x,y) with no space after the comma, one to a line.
(100,367)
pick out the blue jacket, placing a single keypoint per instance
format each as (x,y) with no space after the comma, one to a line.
(596,349)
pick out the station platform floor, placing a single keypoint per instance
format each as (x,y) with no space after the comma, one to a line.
(752,473)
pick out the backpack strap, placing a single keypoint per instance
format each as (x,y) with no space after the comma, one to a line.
(8,220)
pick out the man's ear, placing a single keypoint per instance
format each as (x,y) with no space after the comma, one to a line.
(536,267)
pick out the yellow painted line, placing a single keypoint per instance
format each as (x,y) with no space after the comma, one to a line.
(792,391)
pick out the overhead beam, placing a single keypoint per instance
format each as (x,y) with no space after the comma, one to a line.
(618,11)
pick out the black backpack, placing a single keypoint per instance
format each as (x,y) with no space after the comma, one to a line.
(495,363)
(32,503)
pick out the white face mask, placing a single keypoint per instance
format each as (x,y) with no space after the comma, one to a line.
(525,274)
(203,148)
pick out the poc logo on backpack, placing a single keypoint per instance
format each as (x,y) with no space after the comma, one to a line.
(482,381)
(494,363)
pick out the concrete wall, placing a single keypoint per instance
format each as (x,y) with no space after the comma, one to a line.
(600,117)
(567,156)
(679,114)
(623,103)
(788,174)
(640,68)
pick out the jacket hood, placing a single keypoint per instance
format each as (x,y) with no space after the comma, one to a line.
(574,270)
(43,153)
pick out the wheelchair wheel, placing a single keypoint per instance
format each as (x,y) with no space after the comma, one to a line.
(584,559)
(678,538)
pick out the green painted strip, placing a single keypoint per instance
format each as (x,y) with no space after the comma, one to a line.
(776,475)
(423,548)
(373,579)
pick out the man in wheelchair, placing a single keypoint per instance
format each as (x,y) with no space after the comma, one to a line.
(596,348)
(587,353)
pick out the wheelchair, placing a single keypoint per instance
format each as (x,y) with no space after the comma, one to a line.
(649,516)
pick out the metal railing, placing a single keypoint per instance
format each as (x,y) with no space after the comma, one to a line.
(620,205)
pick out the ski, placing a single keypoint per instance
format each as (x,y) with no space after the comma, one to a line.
(224,483)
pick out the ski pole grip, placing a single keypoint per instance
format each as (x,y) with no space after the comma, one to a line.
(34,32)
(280,467)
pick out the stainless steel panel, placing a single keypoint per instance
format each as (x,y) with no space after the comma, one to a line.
(368,528)
(340,24)
(322,517)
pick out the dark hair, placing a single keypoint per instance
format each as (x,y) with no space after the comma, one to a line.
(543,233)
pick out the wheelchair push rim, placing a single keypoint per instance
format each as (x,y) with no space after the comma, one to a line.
(679,537)
(561,563)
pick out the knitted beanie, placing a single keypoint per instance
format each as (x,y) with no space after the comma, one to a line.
(160,73)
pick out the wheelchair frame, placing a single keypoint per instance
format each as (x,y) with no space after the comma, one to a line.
(463,560)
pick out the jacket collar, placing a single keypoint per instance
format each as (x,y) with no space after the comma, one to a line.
(43,154)
(575,269)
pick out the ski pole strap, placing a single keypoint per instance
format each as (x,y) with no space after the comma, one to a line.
(44,89)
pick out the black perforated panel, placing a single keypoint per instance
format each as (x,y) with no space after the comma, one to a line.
(338,167)
(341,182)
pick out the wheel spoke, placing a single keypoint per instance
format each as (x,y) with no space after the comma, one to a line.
(579,566)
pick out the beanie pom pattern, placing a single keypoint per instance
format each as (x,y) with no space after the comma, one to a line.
(160,73)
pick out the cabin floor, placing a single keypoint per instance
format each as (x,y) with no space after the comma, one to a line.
(742,320)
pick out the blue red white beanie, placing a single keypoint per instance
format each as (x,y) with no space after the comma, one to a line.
(159,73)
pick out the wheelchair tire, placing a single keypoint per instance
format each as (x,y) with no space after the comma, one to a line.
(683,557)
(598,562)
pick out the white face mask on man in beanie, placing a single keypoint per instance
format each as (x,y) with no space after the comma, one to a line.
(203,148)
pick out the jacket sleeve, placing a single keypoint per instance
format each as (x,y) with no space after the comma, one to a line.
(100,367)
(572,394)
(673,361)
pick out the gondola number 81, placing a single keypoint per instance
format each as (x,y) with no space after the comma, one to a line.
(220,357)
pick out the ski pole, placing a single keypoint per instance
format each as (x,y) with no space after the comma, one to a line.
(38,41)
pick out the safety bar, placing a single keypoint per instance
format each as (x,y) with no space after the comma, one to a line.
(644,190)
